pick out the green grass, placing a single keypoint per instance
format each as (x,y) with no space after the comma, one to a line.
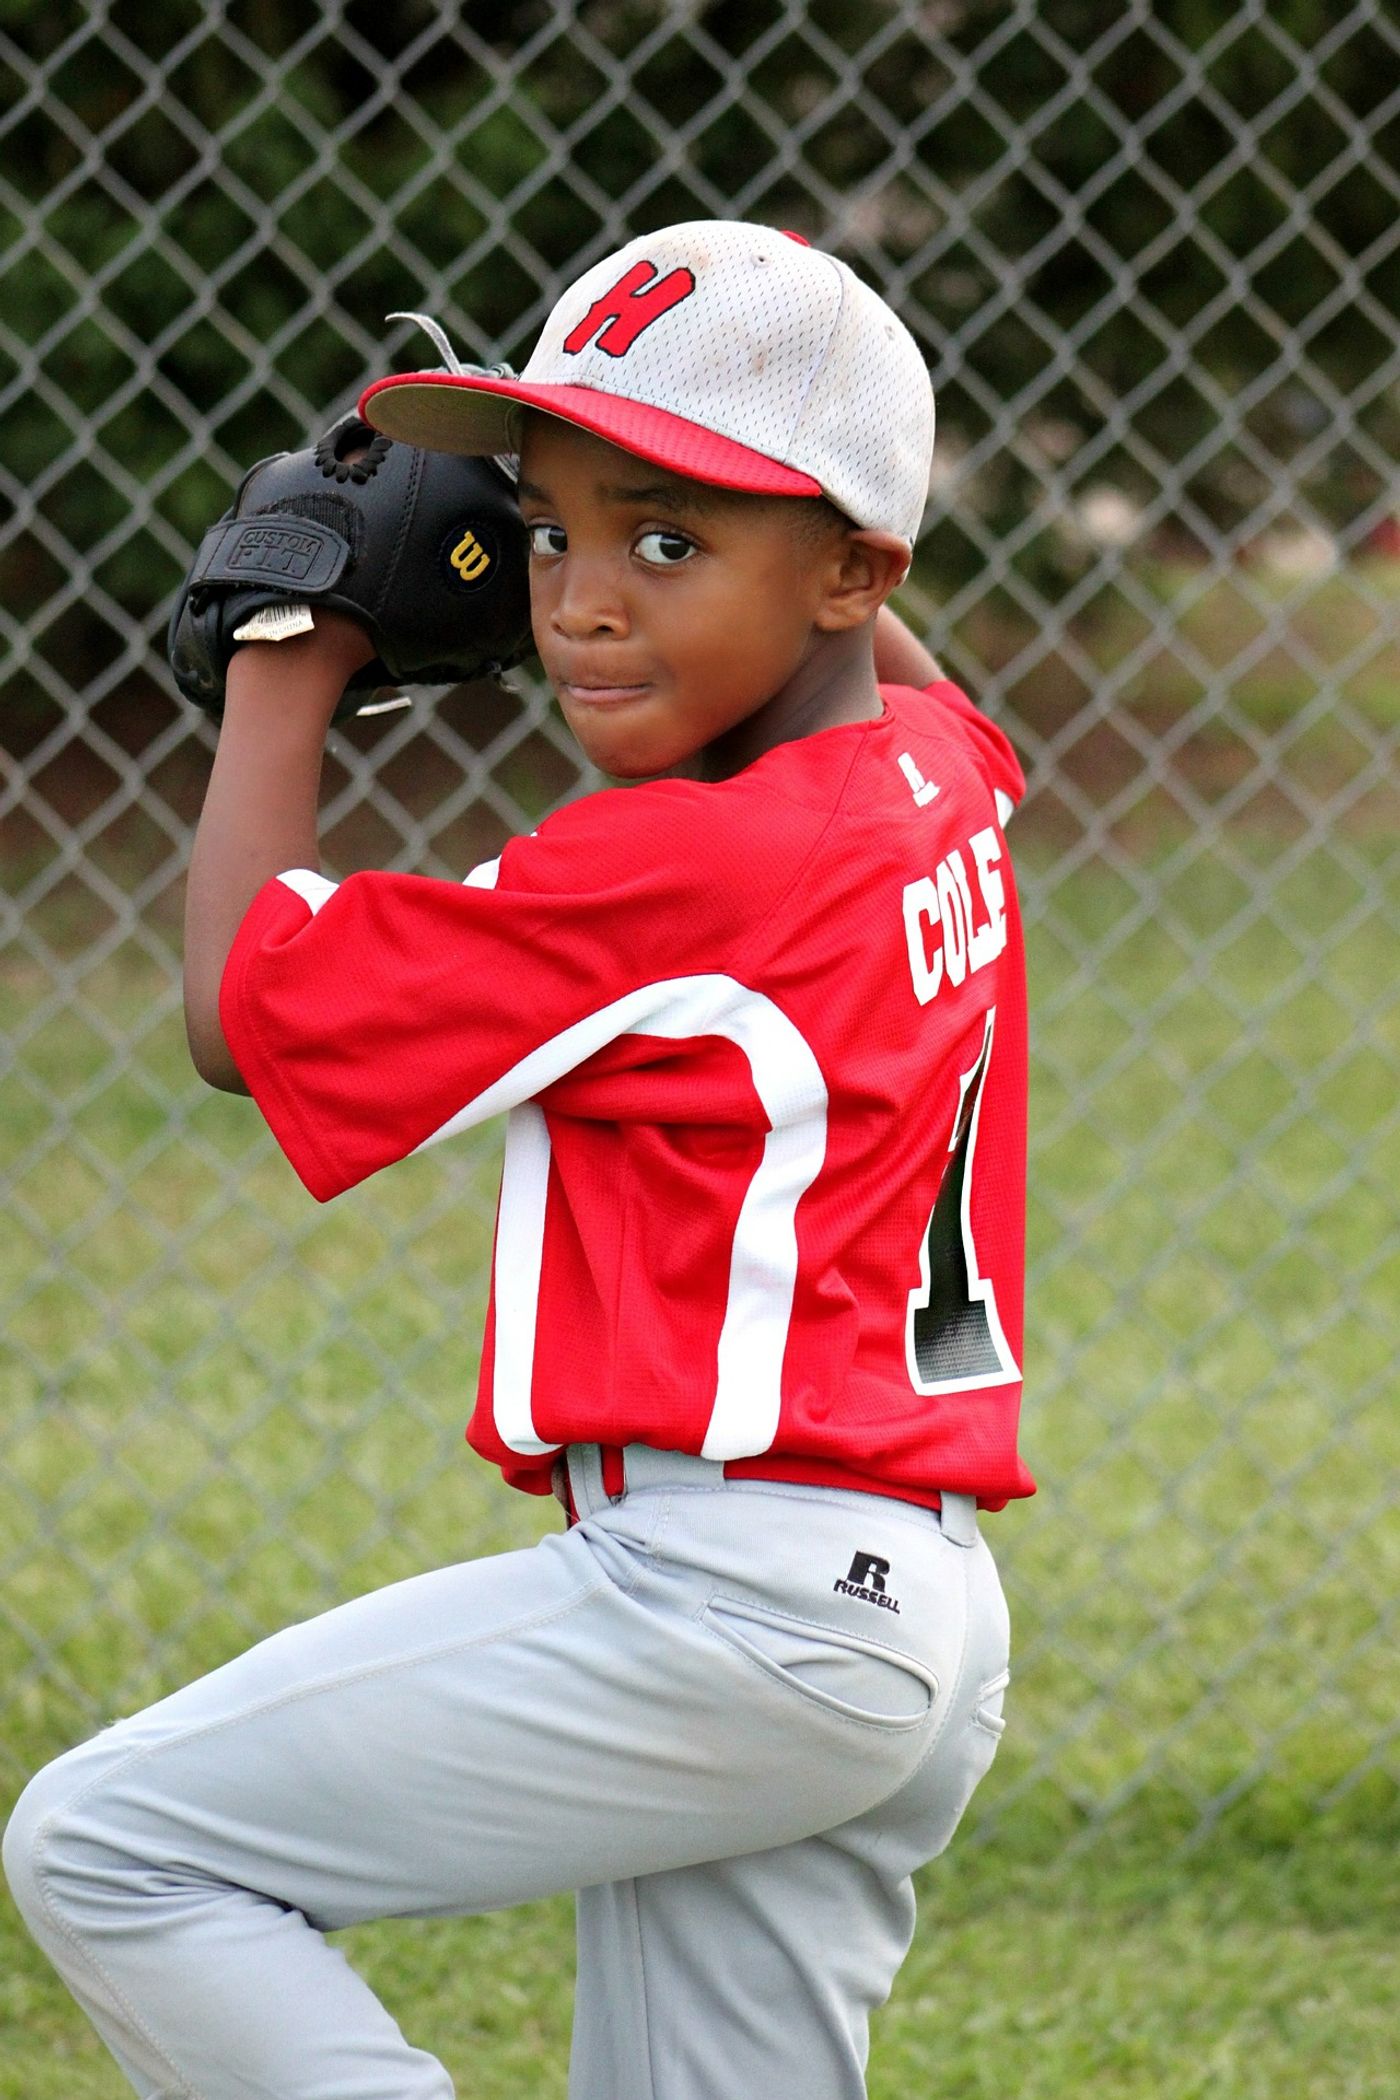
(1179,1877)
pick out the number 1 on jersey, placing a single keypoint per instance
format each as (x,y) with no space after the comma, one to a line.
(953,1338)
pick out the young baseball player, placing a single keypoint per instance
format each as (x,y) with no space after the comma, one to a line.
(757,1025)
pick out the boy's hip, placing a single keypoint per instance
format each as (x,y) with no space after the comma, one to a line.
(879,1610)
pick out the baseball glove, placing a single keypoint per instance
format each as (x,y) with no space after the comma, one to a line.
(425,549)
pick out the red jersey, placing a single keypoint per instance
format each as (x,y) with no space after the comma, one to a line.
(762,1046)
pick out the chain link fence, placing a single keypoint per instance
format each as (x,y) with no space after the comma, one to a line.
(1152,252)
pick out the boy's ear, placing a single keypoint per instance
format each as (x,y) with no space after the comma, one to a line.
(866,567)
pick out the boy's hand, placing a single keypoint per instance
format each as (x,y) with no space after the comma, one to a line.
(425,549)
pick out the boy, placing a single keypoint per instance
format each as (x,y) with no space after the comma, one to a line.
(756,1295)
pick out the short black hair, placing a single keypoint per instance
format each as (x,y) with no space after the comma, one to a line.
(818,518)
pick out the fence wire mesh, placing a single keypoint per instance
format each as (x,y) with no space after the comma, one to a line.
(1151,252)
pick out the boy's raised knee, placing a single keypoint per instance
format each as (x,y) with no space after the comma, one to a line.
(47,1843)
(29,1827)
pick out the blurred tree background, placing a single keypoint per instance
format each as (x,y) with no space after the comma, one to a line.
(206,213)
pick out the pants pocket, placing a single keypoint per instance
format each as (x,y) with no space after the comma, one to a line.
(860,1680)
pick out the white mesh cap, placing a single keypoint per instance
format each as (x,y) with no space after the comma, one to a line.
(728,352)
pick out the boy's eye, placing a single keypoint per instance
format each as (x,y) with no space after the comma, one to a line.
(548,539)
(666,550)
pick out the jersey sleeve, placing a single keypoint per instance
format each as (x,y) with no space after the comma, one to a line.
(370,1017)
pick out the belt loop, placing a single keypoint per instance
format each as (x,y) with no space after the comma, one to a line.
(958,1517)
(585,1464)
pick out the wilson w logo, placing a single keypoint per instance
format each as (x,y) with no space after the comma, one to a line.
(637,299)
(469,558)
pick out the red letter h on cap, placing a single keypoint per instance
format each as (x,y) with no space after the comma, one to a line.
(634,302)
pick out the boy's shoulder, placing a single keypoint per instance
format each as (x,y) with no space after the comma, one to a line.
(720,851)
(941,718)
(803,782)
(771,804)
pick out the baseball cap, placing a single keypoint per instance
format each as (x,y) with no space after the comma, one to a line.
(728,352)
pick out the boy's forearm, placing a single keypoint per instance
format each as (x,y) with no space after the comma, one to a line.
(900,658)
(260,812)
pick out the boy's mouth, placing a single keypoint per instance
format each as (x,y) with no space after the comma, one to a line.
(592,695)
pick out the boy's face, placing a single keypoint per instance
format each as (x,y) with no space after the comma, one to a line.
(665,611)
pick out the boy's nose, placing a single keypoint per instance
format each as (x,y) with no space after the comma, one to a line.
(588,602)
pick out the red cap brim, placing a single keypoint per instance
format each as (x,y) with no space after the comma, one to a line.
(445,412)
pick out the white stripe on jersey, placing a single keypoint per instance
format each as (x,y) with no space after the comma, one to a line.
(313,889)
(763,1259)
(519,1252)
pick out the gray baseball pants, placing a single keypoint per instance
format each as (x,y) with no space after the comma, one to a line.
(734,1716)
